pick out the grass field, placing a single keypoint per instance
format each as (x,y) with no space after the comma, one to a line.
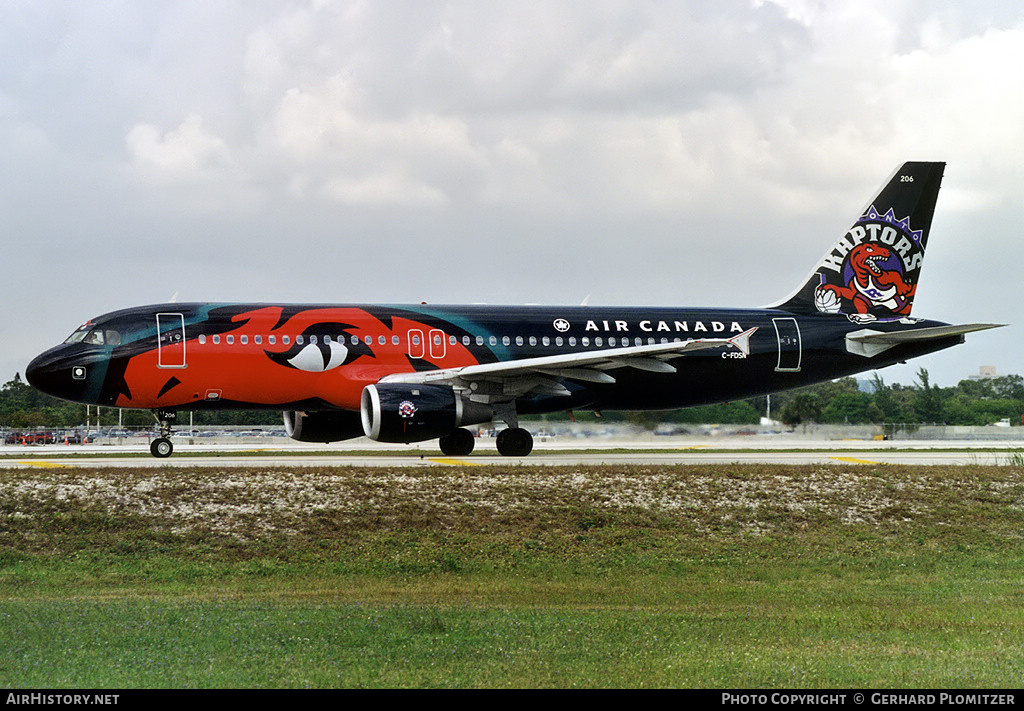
(690,576)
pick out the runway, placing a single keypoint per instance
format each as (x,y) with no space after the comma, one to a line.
(547,452)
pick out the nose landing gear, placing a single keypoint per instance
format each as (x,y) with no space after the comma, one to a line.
(161,446)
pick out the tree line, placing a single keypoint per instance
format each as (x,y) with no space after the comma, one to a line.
(844,401)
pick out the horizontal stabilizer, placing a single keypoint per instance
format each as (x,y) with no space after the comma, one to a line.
(869,343)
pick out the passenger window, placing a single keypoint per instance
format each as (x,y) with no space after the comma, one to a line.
(271,340)
(505,340)
(216,340)
(202,338)
(257,339)
(244,340)
(231,340)
(286,340)
(298,340)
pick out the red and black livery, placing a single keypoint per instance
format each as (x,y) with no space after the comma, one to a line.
(417,372)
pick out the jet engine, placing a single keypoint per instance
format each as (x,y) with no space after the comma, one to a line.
(403,413)
(325,426)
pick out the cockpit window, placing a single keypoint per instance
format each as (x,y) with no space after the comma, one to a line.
(95,336)
(79,334)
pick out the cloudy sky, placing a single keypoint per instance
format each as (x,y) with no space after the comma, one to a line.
(639,153)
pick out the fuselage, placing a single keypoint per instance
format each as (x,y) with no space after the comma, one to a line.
(418,372)
(320,357)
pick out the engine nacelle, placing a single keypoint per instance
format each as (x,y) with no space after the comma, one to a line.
(403,413)
(325,426)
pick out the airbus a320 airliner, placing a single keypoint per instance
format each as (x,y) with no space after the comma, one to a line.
(413,373)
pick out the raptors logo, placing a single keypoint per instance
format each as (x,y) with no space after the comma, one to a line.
(872,273)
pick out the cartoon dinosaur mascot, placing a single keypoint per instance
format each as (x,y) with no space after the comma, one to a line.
(874,285)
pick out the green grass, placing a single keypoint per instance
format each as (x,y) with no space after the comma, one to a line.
(689,576)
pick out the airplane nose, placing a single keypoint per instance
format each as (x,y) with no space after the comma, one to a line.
(56,373)
(40,372)
(36,372)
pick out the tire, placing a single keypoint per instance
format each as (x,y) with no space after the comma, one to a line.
(457,443)
(514,442)
(161,447)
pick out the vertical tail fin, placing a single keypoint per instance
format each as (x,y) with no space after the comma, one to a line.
(871,273)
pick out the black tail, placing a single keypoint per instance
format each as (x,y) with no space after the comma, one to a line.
(872,271)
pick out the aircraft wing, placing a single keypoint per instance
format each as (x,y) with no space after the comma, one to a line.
(546,372)
(868,343)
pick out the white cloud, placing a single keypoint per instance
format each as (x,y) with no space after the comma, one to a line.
(187,153)
(384,190)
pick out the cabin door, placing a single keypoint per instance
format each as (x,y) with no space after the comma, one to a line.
(170,340)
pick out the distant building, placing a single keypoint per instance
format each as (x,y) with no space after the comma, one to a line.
(984,373)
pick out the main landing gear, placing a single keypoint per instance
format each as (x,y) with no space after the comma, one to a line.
(161,446)
(514,442)
(457,443)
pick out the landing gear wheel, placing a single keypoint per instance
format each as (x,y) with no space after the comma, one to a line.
(457,443)
(161,447)
(514,442)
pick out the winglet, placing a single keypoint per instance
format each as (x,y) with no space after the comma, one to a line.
(742,341)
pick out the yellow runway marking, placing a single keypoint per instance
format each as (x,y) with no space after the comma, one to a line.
(854,460)
(455,462)
(46,465)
